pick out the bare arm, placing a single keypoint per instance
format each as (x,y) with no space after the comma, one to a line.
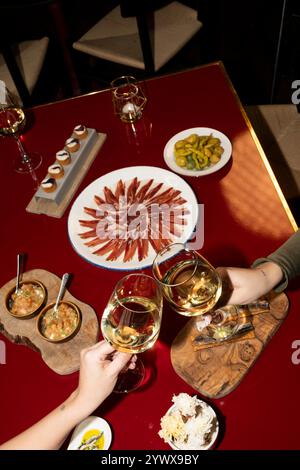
(246,285)
(98,375)
(272,272)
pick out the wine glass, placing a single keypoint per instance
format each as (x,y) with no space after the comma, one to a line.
(131,322)
(12,121)
(189,282)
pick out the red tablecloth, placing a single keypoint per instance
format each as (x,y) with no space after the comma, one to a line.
(244,218)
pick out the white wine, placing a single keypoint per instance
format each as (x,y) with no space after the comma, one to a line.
(191,287)
(132,324)
(12,120)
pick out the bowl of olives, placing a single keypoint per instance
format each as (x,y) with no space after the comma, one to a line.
(197,151)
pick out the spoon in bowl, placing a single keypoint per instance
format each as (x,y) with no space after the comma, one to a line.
(61,292)
(19,260)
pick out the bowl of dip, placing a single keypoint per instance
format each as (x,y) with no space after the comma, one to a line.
(61,326)
(27,301)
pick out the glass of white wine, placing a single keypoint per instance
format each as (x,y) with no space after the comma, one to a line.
(189,282)
(12,122)
(131,322)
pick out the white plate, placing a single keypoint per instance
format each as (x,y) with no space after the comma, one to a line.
(89,424)
(143,173)
(169,151)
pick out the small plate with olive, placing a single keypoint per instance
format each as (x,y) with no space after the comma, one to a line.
(197,151)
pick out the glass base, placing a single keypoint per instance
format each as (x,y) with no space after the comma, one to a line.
(130,379)
(28,165)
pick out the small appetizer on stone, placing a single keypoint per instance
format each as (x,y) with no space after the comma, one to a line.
(80,132)
(48,185)
(72,144)
(63,157)
(56,171)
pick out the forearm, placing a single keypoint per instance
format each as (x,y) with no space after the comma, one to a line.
(287,257)
(247,285)
(100,365)
(271,275)
(50,432)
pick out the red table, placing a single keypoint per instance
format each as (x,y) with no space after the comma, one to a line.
(245,217)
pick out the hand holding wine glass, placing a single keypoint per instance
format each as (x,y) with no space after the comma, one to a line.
(131,321)
(12,122)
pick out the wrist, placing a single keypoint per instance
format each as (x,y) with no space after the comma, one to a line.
(271,274)
(77,405)
(84,403)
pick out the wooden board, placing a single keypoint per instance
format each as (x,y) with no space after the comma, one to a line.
(61,358)
(217,371)
(51,208)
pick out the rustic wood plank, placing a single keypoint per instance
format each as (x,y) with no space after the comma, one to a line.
(217,371)
(63,358)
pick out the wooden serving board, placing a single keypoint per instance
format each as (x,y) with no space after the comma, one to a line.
(216,371)
(39,205)
(63,358)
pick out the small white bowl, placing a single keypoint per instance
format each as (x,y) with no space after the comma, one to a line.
(88,424)
(212,442)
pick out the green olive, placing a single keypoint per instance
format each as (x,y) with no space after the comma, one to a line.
(179,144)
(181,161)
(218,150)
(182,152)
(214,158)
(191,139)
(214,141)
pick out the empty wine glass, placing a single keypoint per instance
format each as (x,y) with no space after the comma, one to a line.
(131,322)
(12,121)
(189,282)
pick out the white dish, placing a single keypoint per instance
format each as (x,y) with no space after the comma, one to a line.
(92,423)
(144,174)
(214,436)
(169,151)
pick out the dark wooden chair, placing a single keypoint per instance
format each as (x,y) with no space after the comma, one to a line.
(22,32)
(144,34)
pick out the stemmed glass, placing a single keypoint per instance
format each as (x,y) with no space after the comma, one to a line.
(128,98)
(12,121)
(189,282)
(131,322)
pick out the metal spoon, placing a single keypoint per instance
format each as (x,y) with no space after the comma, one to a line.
(19,259)
(61,292)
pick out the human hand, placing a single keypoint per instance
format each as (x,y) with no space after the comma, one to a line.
(100,366)
(245,285)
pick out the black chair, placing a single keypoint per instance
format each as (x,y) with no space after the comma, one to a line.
(23,44)
(143,34)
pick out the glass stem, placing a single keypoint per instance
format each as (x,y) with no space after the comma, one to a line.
(24,155)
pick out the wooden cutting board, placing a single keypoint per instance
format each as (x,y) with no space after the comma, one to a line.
(63,358)
(216,371)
